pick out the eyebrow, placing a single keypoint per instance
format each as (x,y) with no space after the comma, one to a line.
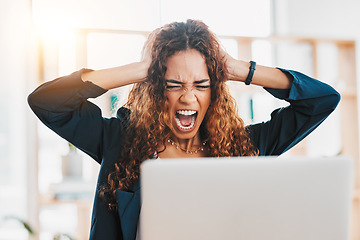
(195,82)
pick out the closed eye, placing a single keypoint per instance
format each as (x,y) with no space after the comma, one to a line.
(174,87)
(202,87)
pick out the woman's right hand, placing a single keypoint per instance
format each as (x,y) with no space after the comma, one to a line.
(123,75)
(146,56)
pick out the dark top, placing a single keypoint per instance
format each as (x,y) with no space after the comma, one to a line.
(62,105)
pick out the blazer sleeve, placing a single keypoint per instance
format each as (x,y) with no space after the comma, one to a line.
(62,105)
(311,102)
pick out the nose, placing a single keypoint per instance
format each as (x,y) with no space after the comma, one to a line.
(188,97)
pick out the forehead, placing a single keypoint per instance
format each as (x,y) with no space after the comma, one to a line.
(186,66)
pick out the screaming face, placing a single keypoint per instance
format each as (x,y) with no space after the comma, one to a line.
(188,92)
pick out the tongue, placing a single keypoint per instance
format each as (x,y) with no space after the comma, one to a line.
(185,120)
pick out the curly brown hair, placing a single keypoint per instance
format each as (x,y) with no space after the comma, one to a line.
(148,129)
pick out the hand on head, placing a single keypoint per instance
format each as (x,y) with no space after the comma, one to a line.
(147,48)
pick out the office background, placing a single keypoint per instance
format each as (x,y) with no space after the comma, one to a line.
(43,39)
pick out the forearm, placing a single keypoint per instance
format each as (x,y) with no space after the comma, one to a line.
(311,101)
(263,76)
(118,76)
(62,105)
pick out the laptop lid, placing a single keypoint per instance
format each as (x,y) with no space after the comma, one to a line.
(246,198)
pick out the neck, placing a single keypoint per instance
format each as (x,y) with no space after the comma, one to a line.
(188,144)
(180,148)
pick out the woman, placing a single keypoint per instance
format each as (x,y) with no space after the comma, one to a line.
(179,107)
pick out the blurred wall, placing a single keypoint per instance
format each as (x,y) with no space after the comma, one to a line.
(16,78)
(322,19)
(318,18)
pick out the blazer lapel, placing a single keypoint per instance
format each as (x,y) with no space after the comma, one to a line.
(129,204)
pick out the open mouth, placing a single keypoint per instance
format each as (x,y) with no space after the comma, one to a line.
(185,119)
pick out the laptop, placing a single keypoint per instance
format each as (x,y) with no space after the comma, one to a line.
(246,198)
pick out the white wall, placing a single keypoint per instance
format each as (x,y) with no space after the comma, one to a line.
(318,18)
(14,78)
(338,19)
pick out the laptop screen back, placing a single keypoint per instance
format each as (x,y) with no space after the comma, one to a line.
(246,198)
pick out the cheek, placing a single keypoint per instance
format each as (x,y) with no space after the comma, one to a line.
(207,100)
(170,102)
(166,113)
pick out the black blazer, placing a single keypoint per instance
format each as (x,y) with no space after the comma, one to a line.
(62,105)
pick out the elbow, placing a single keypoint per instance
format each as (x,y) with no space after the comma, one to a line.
(331,99)
(326,104)
(31,100)
(36,102)
(335,100)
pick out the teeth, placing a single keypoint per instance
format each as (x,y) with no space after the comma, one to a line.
(186,112)
(186,128)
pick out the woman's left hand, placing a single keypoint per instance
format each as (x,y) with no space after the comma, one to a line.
(236,69)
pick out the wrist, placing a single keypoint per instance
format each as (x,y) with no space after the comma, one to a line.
(250,75)
(238,70)
(142,70)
